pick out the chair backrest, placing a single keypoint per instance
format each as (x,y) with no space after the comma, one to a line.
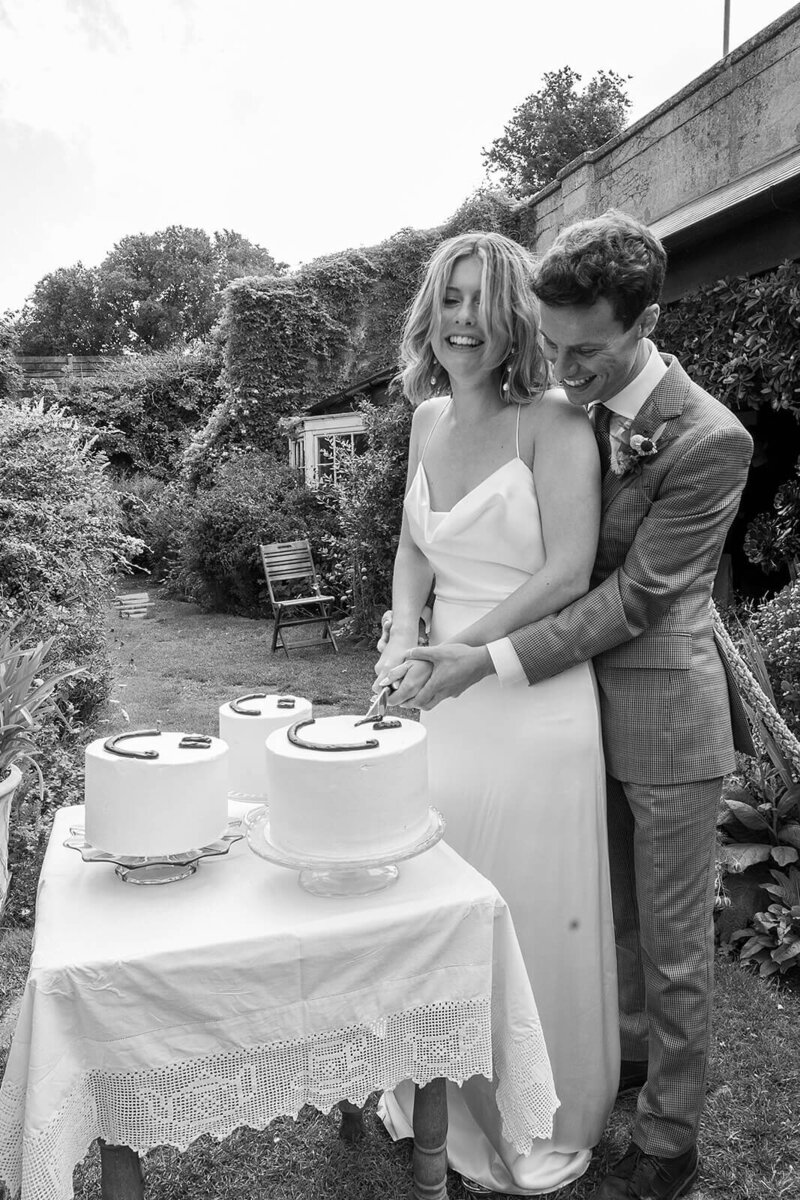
(286,561)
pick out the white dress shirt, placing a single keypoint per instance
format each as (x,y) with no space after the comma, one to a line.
(626,404)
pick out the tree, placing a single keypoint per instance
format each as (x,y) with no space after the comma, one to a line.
(152,291)
(554,125)
(166,287)
(66,314)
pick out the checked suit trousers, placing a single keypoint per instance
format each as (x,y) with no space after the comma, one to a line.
(662,851)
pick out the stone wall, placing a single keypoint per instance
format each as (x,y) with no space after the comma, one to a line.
(728,125)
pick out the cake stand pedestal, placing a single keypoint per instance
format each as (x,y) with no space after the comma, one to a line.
(162,868)
(335,877)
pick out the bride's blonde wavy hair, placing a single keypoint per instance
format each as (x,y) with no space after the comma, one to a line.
(509,312)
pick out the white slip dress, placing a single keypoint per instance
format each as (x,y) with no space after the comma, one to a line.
(518,773)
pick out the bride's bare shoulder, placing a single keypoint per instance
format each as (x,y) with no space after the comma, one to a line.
(554,407)
(427,411)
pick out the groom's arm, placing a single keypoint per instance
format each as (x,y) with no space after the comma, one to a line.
(679,540)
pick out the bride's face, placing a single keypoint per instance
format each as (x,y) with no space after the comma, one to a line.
(461,342)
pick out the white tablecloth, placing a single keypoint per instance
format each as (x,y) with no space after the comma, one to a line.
(153,1015)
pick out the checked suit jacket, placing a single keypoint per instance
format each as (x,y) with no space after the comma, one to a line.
(646,620)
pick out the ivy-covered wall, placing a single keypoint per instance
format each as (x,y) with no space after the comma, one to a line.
(292,340)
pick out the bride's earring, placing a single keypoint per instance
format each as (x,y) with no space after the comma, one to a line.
(435,373)
(504,387)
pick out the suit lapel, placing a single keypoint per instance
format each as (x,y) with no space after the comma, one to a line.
(664,404)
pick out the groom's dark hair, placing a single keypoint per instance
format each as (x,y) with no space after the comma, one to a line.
(612,255)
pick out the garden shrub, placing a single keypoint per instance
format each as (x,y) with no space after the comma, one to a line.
(370,492)
(60,542)
(11,377)
(776,626)
(738,339)
(146,407)
(253,497)
(152,514)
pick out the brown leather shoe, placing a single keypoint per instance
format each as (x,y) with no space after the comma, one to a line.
(640,1176)
(632,1074)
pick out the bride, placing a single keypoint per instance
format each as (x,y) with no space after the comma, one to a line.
(501,514)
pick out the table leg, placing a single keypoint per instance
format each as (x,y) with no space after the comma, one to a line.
(430,1141)
(120,1173)
(351,1128)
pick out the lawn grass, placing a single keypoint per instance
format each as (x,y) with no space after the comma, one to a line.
(174,669)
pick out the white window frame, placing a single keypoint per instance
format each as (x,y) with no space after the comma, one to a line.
(304,446)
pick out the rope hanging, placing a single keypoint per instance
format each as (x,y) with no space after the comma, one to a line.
(755,697)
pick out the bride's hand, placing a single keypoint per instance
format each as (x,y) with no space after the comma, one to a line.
(406,680)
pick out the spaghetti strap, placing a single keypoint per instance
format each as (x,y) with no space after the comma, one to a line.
(519,407)
(433,427)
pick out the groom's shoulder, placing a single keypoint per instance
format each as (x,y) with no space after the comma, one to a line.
(701,408)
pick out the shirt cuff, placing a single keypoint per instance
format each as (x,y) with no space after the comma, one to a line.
(506,662)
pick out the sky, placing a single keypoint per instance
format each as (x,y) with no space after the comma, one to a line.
(308,126)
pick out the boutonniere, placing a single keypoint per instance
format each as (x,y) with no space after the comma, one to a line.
(637,450)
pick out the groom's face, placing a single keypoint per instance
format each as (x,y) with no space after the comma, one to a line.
(593,356)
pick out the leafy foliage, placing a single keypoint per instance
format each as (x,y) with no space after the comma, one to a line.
(776,626)
(297,338)
(253,497)
(773,942)
(145,407)
(11,378)
(554,125)
(25,695)
(738,339)
(760,817)
(151,291)
(59,542)
(68,313)
(370,495)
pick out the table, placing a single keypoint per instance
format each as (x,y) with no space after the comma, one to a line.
(153,1015)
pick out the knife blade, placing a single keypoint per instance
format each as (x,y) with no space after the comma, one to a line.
(379,703)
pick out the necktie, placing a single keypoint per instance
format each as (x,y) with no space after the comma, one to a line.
(602,428)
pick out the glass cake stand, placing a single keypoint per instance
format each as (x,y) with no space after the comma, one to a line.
(335,877)
(162,868)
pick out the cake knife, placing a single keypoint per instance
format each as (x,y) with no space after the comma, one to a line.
(379,702)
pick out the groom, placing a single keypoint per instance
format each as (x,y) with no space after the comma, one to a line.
(675,463)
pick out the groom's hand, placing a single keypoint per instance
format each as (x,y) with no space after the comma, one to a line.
(455,668)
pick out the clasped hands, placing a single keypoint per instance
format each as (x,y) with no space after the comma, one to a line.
(422,676)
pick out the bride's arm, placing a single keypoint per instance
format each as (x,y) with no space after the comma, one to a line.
(413,575)
(566,472)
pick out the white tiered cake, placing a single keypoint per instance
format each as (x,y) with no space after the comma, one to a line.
(343,790)
(149,793)
(245,724)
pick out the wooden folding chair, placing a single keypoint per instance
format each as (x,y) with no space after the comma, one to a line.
(294,591)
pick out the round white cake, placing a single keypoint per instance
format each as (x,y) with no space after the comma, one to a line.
(245,724)
(149,794)
(345,791)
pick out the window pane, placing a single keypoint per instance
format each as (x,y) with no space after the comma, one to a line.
(325,457)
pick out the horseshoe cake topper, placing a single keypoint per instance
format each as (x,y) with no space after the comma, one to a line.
(294,737)
(236,705)
(113,747)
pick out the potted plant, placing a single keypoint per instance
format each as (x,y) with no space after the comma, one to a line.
(25,697)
